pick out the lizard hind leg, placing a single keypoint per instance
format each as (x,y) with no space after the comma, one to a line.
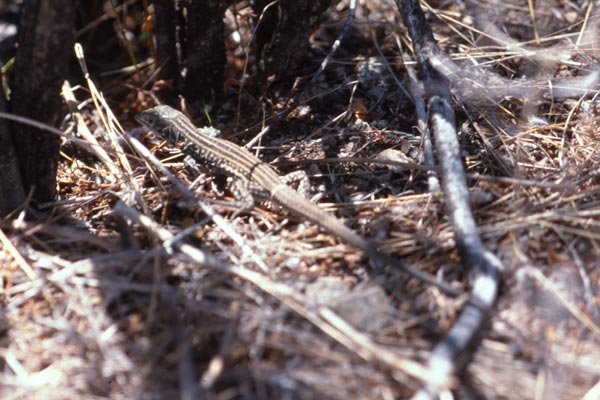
(303,186)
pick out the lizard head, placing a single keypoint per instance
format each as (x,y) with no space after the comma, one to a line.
(158,118)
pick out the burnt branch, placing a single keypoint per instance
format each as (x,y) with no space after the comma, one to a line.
(482,265)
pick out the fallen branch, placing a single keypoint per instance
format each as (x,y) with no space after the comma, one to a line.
(483,265)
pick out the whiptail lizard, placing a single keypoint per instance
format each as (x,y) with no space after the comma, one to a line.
(240,163)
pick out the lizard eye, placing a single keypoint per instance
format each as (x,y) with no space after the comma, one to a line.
(144,119)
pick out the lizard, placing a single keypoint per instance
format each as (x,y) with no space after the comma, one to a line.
(236,161)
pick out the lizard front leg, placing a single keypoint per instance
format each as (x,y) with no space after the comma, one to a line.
(242,192)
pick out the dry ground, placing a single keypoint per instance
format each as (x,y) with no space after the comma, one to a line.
(96,306)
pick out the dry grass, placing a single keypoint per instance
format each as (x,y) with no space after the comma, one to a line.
(98,303)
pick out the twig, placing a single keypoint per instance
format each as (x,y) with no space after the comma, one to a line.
(29,228)
(482,264)
(112,127)
(419,167)
(12,250)
(82,129)
(336,44)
